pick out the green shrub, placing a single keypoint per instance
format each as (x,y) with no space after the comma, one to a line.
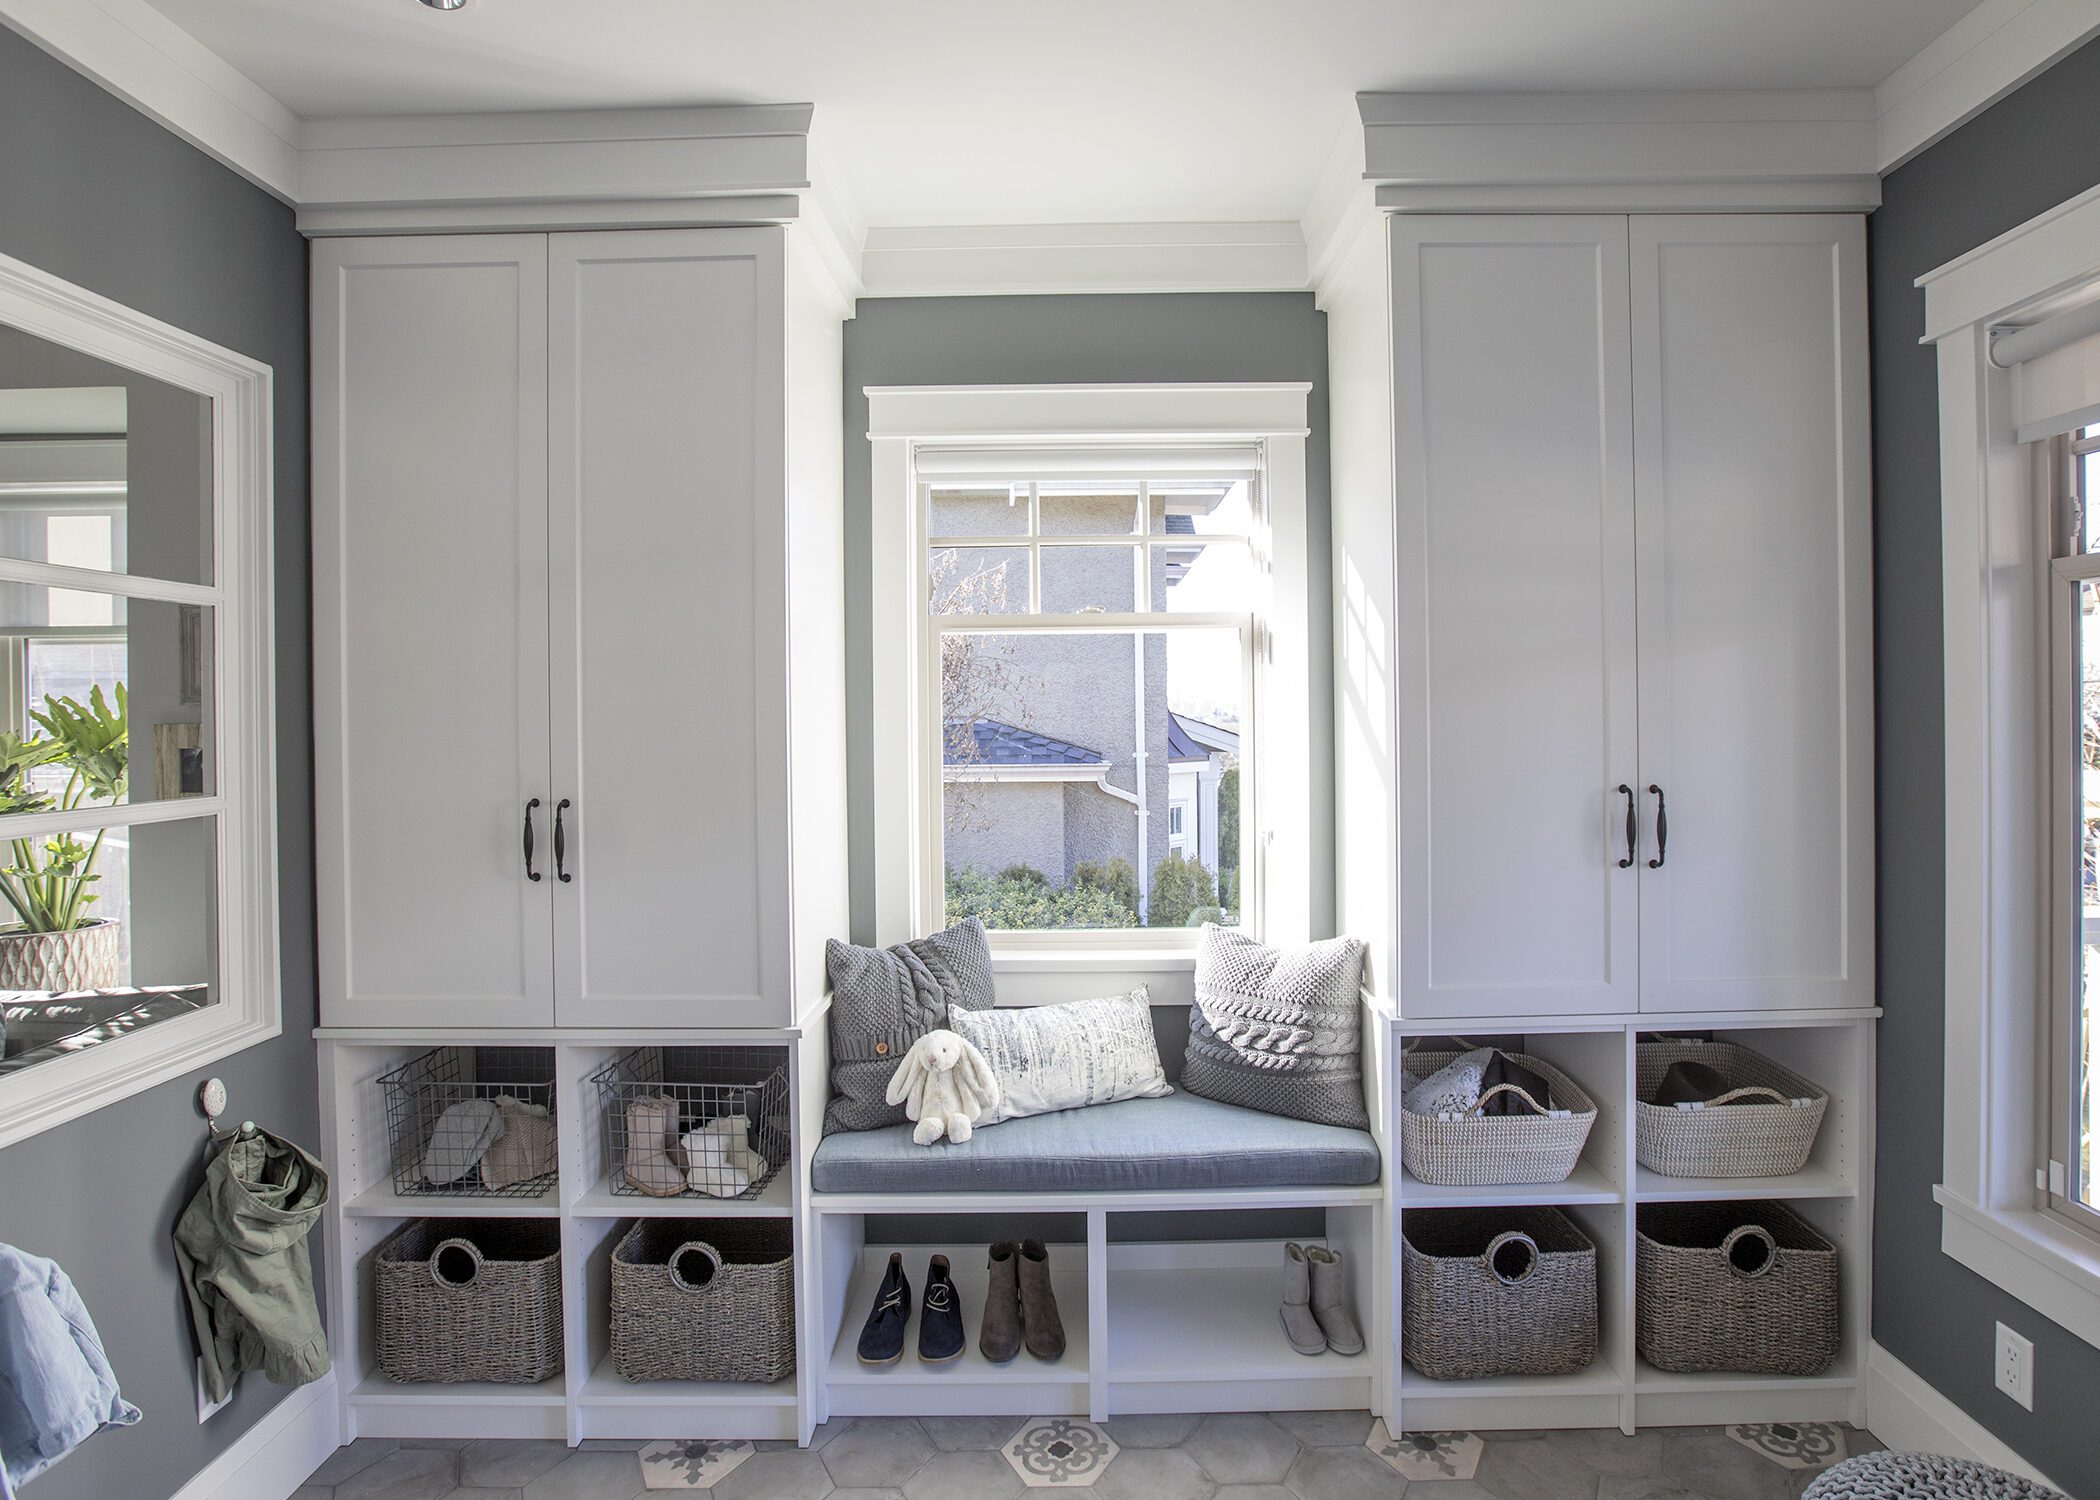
(1026,902)
(1114,876)
(1179,888)
(1204,914)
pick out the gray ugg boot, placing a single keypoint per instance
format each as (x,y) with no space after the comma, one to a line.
(1040,1324)
(999,1335)
(1330,1301)
(1299,1325)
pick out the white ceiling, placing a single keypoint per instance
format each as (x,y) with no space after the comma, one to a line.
(942,112)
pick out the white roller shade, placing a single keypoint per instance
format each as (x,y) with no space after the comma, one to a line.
(1018,465)
(2055,368)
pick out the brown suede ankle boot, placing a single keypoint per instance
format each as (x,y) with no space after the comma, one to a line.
(999,1335)
(1044,1331)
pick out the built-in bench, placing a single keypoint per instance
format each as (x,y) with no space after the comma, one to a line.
(1174,1143)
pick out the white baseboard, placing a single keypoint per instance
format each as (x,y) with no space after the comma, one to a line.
(273,1458)
(1909,1415)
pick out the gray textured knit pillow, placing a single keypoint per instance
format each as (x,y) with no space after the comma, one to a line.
(883,1000)
(1278,1030)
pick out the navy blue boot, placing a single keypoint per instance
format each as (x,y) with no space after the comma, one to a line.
(940,1320)
(882,1340)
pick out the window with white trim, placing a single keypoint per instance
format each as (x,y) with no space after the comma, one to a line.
(138,892)
(2072,461)
(1077,621)
(1090,623)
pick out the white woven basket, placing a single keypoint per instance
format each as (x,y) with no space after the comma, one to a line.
(1477,1150)
(1770,1134)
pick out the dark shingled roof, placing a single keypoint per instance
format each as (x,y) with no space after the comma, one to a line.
(996,744)
(1181,745)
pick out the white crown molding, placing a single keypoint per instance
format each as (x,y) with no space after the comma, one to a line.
(1809,149)
(1015,259)
(1972,65)
(156,67)
(1342,209)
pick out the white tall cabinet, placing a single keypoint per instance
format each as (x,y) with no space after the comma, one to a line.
(1629,615)
(554,608)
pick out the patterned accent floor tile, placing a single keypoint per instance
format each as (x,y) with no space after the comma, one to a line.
(1428,1456)
(1793,1445)
(1061,1453)
(691,1463)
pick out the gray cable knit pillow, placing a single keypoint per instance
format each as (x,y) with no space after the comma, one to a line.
(1278,1030)
(883,1000)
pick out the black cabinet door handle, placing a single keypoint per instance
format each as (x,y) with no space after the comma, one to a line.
(1633,825)
(530,872)
(1662,827)
(561,842)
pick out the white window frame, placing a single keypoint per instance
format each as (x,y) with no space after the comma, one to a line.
(1995,588)
(1277,852)
(248,1006)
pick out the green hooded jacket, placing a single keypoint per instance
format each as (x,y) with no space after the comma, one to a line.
(241,1247)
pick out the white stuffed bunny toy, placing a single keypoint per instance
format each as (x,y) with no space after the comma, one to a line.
(946,1085)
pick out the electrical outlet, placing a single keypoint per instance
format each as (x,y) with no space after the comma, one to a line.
(2016,1366)
(206,1407)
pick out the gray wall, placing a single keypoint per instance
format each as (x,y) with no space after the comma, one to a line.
(2033,150)
(93,191)
(1071,340)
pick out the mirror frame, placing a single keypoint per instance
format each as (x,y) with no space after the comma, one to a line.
(242,592)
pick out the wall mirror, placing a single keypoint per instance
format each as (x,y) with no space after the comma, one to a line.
(137,863)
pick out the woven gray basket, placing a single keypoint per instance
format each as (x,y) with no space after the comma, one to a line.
(1771,1136)
(711,1300)
(1496,1291)
(475,1299)
(1495,1150)
(1748,1288)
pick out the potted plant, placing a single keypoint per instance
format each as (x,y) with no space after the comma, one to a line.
(47,883)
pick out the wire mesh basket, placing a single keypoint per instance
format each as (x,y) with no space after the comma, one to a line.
(472,1122)
(695,1122)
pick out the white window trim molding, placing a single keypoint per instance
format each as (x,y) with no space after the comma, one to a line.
(1274,413)
(249,1002)
(1997,970)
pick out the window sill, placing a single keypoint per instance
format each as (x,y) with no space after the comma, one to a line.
(2049,1266)
(1072,960)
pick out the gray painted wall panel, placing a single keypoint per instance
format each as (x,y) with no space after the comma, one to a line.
(2030,152)
(95,192)
(1068,340)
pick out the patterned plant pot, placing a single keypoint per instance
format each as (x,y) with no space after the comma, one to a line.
(85,958)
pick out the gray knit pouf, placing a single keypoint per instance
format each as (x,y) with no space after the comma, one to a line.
(1922,1476)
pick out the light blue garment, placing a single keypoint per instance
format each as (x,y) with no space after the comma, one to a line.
(56,1387)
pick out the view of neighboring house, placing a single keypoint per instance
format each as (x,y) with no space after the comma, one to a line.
(1064,750)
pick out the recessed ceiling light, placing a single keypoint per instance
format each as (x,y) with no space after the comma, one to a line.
(446,4)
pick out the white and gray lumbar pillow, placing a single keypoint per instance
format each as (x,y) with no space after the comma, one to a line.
(1278,1029)
(883,1000)
(1051,1057)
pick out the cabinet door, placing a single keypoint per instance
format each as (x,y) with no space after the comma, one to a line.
(1752,470)
(1514,542)
(666,433)
(430,630)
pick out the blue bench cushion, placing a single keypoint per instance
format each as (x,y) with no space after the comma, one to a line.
(1157,1145)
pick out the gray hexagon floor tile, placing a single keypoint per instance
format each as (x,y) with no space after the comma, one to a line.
(1252,1492)
(482,1494)
(1529,1470)
(881,1494)
(497,1464)
(1154,1474)
(1446,1489)
(311,1492)
(877,1452)
(1607,1450)
(819,1439)
(350,1458)
(1325,1429)
(404,1474)
(1163,1431)
(1343,1474)
(976,1475)
(1711,1463)
(1242,1448)
(960,1434)
(1642,1487)
(589,1476)
(790,1474)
